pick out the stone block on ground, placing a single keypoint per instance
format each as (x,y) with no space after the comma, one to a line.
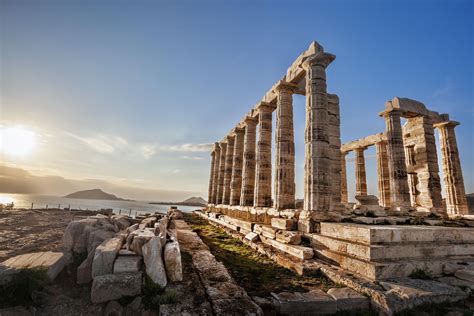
(288,237)
(104,257)
(367,200)
(172,257)
(137,239)
(283,223)
(84,270)
(348,299)
(113,308)
(127,264)
(76,235)
(147,222)
(253,237)
(464,274)
(314,302)
(111,287)
(297,251)
(98,236)
(152,256)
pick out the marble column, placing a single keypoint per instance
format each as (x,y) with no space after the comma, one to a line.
(400,195)
(228,169)
(220,186)
(344,192)
(334,131)
(361,180)
(248,171)
(236,181)
(383,178)
(456,203)
(215,182)
(285,148)
(263,182)
(317,175)
(211,177)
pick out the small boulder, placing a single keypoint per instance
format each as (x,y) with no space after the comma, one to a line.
(137,239)
(111,287)
(152,256)
(77,233)
(173,264)
(104,257)
(113,308)
(97,237)
(147,222)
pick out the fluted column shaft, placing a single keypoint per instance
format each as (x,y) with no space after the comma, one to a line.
(361,180)
(400,194)
(344,192)
(263,183)
(236,181)
(456,202)
(211,177)
(215,182)
(228,169)
(285,151)
(220,187)
(383,178)
(248,180)
(317,191)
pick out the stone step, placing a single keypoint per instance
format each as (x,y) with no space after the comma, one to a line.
(392,250)
(297,251)
(375,234)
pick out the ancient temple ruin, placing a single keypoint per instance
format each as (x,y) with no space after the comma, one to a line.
(240,185)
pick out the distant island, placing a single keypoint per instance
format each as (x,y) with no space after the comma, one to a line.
(94,194)
(192,201)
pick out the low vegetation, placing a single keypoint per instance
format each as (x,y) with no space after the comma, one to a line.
(256,273)
(154,295)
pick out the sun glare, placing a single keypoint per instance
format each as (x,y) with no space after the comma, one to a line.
(17,141)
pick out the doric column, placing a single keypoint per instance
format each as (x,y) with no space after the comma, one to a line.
(361,180)
(344,192)
(228,169)
(215,182)
(248,181)
(263,182)
(400,195)
(456,202)
(220,186)
(211,177)
(285,148)
(317,190)
(383,178)
(236,181)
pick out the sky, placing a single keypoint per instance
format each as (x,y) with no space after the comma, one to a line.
(132,93)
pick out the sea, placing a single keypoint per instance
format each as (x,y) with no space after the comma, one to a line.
(131,208)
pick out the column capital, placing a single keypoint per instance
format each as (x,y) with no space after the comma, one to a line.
(249,120)
(390,112)
(360,149)
(446,124)
(264,107)
(215,146)
(321,58)
(283,86)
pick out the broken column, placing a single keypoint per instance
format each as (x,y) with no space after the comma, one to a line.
(344,193)
(211,177)
(236,181)
(215,174)
(248,171)
(317,190)
(383,179)
(400,195)
(220,186)
(456,202)
(361,181)
(228,169)
(263,183)
(285,148)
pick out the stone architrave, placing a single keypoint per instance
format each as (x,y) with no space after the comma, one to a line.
(220,186)
(236,181)
(456,203)
(215,174)
(285,148)
(344,192)
(383,179)
(228,169)
(248,181)
(211,177)
(400,194)
(263,174)
(361,180)
(317,190)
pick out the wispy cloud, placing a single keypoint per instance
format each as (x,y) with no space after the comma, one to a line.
(148,150)
(187,147)
(192,157)
(101,144)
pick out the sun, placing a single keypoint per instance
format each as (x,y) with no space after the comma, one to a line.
(17,141)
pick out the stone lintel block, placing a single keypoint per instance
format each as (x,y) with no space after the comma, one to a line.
(284,223)
(288,237)
(299,252)
(348,299)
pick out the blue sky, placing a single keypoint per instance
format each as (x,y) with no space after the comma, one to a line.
(131,91)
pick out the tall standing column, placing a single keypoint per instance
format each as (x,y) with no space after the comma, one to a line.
(400,195)
(383,178)
(456,202)
(317,191)
(344,193)
(215,182)
(248,181)
(220,186)
(361,180)
(263,183)
(285,149)
(211,177)
(236,181)
(228,169)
